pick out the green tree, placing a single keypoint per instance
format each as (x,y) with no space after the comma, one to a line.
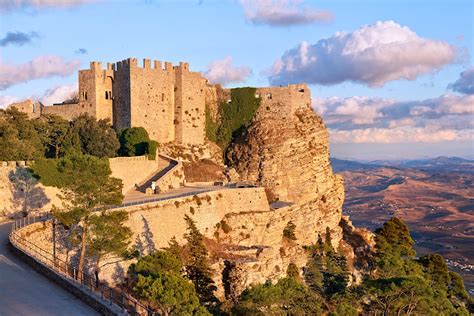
(96,138)
(108,236)
(394,249)
(18,138)
(197,265)
(54,131)
(86,187)
(134,141)
(156,280)
(287,297)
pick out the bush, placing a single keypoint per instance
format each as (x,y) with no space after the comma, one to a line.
(151,147)
(289,231)
(134,141)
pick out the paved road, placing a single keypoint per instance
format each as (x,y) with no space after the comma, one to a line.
(24,292)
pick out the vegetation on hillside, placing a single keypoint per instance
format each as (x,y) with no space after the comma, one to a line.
(235,116)
(50,136)
(401,283)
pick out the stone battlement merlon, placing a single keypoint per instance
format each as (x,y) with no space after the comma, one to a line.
(133,63)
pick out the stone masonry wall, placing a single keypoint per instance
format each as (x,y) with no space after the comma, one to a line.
(133,170)
(190,106)
(152,99)
(32,109)
(69,111)
(12,198)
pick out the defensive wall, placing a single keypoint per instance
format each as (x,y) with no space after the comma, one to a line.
(12,194)
(155,223)
(134,170)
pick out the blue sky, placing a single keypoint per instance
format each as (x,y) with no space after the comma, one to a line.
(255,34)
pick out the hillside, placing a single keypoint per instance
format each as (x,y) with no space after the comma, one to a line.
(434,197)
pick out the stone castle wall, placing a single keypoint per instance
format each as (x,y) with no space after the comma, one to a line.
(133,170)
(32,109)
(190,106)
(68,111)
(12,197)
(152,99)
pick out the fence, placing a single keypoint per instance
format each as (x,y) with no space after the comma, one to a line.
(83,280)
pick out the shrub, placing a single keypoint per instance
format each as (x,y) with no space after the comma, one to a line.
(289,231)
(134,141)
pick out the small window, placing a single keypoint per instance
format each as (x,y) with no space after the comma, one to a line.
(162,97)
(269,96)
(85,95)
(301,90)
(106,95)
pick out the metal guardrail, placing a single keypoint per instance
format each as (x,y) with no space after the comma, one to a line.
(164,198)
(83,280)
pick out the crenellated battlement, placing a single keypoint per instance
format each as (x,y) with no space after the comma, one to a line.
(147,64)
(168,100)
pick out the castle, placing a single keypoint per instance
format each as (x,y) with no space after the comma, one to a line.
(169,102)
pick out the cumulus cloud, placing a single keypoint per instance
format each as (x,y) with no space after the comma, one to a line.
(18,38)
(376,120)
(400,135)
(223,72)
(38,68)
(58,94)
(465,83)
(282,12)
(9,5)
(372,55)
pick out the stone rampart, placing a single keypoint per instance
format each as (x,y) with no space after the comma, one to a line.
(68,111)
(133,170)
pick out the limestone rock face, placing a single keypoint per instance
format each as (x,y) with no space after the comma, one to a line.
(286,153)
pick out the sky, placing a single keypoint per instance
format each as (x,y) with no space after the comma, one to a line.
(391,79)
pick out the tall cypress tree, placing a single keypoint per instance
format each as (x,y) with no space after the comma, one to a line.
(197,265)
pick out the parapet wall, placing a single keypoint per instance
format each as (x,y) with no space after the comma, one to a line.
(68,111)
(133,170)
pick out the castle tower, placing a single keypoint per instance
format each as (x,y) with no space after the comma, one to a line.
(190,106)
(95,91)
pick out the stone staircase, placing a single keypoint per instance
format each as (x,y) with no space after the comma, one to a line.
(166,167)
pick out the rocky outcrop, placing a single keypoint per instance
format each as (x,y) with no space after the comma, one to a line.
(286,153)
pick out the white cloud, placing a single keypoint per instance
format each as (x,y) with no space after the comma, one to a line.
(6,100)
(400,135)
(358,110)
(58,94)
(372,55)
(465,83)
(38,68)
(7,5)
(223,72)
(401,122)
(282,12)
(375,120)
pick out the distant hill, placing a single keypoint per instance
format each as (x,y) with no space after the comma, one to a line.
(439,164)
(340,165)
(434,196)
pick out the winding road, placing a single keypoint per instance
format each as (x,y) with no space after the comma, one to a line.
(24,292)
